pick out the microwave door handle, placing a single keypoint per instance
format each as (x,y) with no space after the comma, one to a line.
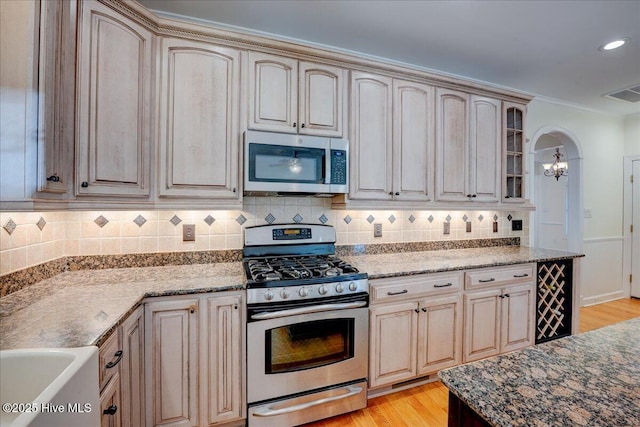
(327,165)
(351,390)
(307,310)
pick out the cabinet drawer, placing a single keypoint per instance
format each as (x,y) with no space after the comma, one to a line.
(109,358)
(410,287)
(489,277)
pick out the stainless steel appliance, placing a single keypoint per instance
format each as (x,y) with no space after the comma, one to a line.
(307,330)
(276,163)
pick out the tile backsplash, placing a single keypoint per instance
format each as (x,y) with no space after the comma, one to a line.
(31,238)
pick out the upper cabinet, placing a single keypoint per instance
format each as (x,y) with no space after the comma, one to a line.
(468,147)
(199,120)
(295,97)
(513,161)
(114,97)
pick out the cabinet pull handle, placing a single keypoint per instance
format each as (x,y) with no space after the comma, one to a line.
(487,280)
(295,124)
(54,178)
(521,275)
(444,285)
(84,184)
(118,355)
(404,291)
(111,410)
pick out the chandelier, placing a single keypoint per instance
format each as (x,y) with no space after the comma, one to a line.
(557,168)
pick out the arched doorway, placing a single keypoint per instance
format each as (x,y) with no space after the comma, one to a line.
(565,200)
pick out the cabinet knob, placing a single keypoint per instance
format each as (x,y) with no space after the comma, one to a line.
(391,193)
(234,189)
(295,124)
(416,310)
(507,295)
(424,309)
(302,125)
(397,193)
(84,184)
(473,195)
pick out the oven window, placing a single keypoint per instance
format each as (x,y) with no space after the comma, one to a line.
(308,345)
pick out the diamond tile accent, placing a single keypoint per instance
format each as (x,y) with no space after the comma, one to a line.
(392,219)
(270,218)
(241,219)
(297,219)
(370,219)
(347,219)
(448,218)
(412,219)
(480,217)
(140,220)
(175,220)
(10,226)
(495,217)
(509,217)
(209,220)
(431,218)
(41,223)
(323,219)
(464,218)
(101,221)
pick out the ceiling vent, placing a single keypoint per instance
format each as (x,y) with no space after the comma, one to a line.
(631,94)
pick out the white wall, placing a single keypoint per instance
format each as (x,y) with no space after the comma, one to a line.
(632,135)
(601,138)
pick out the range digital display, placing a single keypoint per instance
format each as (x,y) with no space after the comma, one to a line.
(291,233)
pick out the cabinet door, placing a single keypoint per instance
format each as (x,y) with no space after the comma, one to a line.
(110,402)
(273,93)
(172,343)
(371,142)
(114,95)
(439,334)
(518,318)
(222,346)
(132,370)
(482,324)
(514,152)
(452,145)
(393,332)
(486,149)
(413,163)
(199,127)
(322,97)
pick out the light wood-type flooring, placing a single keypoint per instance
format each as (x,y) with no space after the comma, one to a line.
(426,405)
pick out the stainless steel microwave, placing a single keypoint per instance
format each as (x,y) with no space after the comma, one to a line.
(276,163)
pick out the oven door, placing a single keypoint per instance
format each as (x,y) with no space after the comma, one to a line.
(289,354)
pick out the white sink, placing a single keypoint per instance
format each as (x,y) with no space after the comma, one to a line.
(49,387)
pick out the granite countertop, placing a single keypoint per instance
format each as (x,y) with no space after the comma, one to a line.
(79,308)
(410,263)
(591,379)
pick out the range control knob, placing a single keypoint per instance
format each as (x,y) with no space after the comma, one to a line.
(339,288)
(284,294)
(268,295)
(353,286)
(323,290)
(303,292)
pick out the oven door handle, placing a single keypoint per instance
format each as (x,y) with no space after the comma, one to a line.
(307,310)
(351,390)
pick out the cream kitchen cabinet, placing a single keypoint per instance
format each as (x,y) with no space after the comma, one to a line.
(199,120)
(514,151)
(500,317)
(391,139)
(468,147)
(194,360)
(296,97)
(113,120)
(415,327)
(109,358)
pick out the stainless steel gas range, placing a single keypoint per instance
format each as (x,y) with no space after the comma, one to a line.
(307,330)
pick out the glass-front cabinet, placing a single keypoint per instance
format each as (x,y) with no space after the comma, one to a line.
(514,149)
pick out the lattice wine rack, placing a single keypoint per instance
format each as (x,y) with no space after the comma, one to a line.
(553,301)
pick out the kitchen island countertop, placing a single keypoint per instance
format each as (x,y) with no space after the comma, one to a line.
(590,379)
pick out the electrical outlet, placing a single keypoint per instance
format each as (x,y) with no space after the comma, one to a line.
(377,230)
(446,228)
(516,225)
(188,232)
(495,226)
(468,226)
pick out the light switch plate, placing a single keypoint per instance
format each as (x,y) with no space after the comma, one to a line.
(446,228)
(377,230)
(188,232)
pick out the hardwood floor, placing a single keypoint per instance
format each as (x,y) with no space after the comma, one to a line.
(426,405)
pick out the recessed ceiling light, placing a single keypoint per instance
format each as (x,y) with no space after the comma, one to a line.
(614,44)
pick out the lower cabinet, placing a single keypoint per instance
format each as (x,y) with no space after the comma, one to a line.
(416,337)
(194,363)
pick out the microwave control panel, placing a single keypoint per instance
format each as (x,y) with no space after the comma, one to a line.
(338,167)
